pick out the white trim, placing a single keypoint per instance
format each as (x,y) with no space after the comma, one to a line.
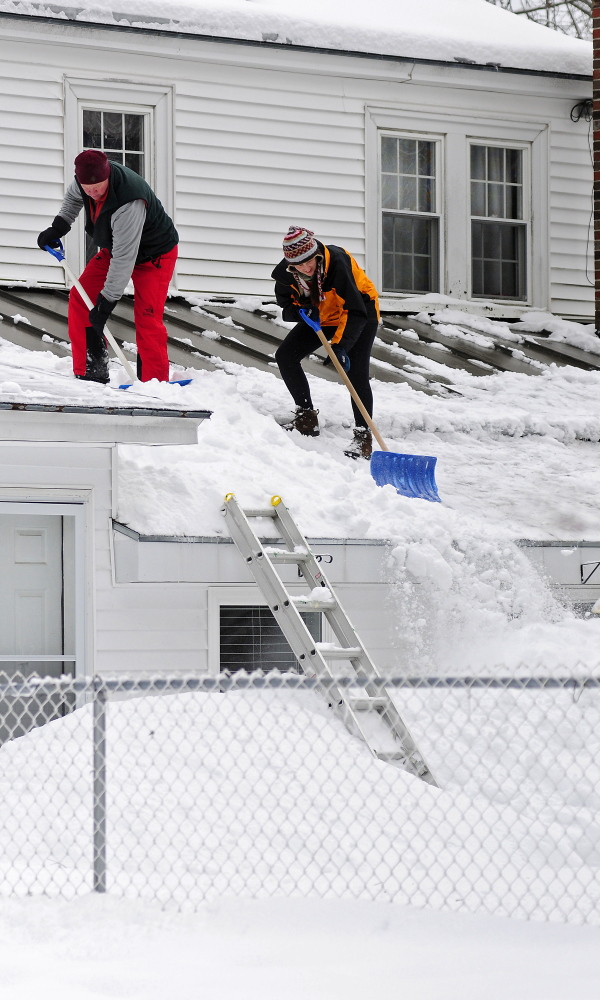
(457,131)
(77,509)
(156,102)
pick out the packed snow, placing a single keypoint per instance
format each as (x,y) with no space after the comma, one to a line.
(298,949)
(517,458)
(460,31)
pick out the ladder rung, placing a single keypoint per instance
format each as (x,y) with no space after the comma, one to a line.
(314,605)
(368,704)
(267,512)
(340,652)
(287,557)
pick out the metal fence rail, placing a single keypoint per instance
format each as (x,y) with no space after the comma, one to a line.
(183,789)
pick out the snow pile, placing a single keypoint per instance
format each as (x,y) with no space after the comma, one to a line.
(265,793)
(460,31)
(577,334)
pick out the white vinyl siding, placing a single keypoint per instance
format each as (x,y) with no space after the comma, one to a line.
(260,139)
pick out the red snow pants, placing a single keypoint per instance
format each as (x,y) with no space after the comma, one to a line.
(151,285)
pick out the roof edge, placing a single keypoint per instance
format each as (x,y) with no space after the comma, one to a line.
(256,43)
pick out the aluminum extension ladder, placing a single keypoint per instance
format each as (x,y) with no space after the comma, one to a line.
(367,711)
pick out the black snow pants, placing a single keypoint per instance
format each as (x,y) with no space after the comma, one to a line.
(302,341)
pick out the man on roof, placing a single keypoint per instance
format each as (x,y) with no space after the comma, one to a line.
(329,285)
(136,240)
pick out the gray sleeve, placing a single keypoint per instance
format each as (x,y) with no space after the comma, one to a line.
(72,204)
(127,224)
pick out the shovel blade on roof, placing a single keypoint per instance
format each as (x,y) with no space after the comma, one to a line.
(412,475)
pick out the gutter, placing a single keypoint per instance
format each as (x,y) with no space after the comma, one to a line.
(115,411)
(72,19)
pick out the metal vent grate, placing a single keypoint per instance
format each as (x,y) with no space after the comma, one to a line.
(251,639)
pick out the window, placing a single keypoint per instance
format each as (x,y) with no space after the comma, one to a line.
(498,226)
(250,638)
(119,134)
(410,223)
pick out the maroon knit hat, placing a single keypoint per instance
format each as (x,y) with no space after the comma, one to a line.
(299,245)
(92,166)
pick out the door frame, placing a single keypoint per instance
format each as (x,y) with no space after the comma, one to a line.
(77,510)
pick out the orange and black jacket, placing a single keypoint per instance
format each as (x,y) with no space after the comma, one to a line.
(350,297)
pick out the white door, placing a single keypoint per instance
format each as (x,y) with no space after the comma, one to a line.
(32,612)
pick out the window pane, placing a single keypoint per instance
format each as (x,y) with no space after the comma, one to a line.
(404,273)
(495,163)
(492,237)
(389,191)
(421,274)
(421,237)
(426,199)
(514,202)
(408,194)
(426,158)
(388,271)
(477,277)
(510,282)
(135,161)
(407,155)
(478,163)
(113,130)
(514,169)
(492,270)
(478,198)
(389,154)
(495,201)
(134,133)
(114,157)
(92,130)
(403,235)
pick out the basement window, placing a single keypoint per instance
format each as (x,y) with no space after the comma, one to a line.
(251,639)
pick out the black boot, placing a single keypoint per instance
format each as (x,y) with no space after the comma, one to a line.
(96,365)
(305,421)
(362,444)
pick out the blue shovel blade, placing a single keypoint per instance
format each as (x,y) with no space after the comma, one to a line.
(412,475)
(177,381)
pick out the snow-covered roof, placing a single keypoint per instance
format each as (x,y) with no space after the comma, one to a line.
(471,31)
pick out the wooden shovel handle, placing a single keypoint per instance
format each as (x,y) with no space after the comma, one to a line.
(351,388)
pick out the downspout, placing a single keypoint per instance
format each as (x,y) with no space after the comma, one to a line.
(596,126)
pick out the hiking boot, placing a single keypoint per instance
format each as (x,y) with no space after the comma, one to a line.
(305,421)
(362,444)
(96,358)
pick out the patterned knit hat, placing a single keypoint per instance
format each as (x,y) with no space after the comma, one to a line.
(299,245)
(92,166)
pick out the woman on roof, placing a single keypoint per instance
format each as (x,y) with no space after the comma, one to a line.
(328,283)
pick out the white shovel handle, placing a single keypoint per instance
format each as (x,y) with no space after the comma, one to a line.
(108,334)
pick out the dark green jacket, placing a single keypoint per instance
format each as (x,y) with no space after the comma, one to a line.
(158,235)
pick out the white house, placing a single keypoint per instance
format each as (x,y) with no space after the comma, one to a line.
(434,140)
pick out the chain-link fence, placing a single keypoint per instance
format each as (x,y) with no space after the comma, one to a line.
(186,789)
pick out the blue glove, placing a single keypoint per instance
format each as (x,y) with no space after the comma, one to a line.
(342,357)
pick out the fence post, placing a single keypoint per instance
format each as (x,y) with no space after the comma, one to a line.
(99,785)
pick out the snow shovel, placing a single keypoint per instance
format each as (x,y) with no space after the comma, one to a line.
(59,253)
(412,475)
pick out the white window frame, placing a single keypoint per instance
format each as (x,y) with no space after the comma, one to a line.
(156,103)
(438,141)
(77,510)
(458,130)
(525,147)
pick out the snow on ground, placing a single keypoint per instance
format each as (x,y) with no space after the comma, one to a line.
(99,947)
(264,794)
(448,30)
(517,457)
